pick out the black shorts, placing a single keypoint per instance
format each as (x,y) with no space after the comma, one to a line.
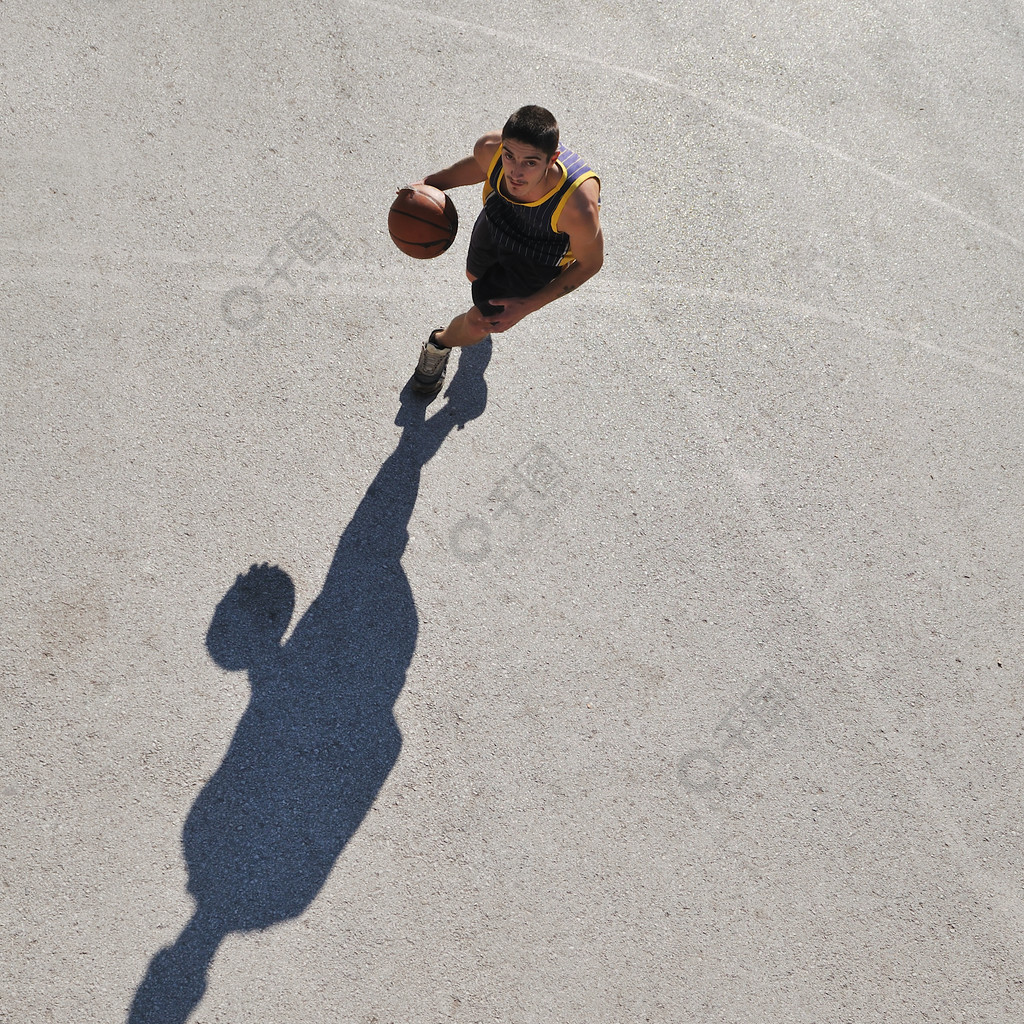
(500,274)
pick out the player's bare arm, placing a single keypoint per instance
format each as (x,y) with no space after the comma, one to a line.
(471,170)
(581,221)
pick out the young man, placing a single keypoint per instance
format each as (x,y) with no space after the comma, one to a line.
(537,238)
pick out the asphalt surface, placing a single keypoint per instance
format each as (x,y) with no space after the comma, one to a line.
(665,669)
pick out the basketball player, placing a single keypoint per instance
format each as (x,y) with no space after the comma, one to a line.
(537,238)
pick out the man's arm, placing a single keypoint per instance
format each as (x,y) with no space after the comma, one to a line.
(472,170)
(581,221)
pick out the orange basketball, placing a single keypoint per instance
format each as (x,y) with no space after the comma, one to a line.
(422,221)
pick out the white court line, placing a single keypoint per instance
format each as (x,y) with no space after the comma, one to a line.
(606,291)
(964,855)
(816,596)
(537,44)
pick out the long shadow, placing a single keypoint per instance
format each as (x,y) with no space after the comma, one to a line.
(318,737)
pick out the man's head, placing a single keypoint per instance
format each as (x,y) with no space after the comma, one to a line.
(533,126)
(529,148)
(251,618)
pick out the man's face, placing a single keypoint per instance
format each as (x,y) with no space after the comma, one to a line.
(526,170)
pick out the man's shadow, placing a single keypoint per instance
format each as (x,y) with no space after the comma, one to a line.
(318,737)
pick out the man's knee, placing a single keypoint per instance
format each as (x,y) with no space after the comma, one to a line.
(476,321)
(472,277)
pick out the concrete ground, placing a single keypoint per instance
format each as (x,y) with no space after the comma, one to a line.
(696,602)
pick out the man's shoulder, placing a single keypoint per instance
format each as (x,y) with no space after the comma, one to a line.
(486,146)
(583,204)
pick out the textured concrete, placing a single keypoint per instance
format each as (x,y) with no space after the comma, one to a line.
(703,641)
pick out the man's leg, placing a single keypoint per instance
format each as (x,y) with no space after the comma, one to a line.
(469,328)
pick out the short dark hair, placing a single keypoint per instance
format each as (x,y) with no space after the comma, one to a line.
(535,126)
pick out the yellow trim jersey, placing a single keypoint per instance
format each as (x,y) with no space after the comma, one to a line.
(530,230)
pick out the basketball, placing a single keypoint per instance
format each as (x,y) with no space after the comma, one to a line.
(422,221)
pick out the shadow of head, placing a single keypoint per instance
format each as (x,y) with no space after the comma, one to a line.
(251,619)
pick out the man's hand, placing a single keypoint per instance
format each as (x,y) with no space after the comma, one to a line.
(512,311)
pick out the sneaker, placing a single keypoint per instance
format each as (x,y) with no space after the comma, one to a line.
(429,375)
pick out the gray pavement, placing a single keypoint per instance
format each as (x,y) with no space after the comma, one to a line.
(703,641)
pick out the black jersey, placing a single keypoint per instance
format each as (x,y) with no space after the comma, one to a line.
(530,230)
